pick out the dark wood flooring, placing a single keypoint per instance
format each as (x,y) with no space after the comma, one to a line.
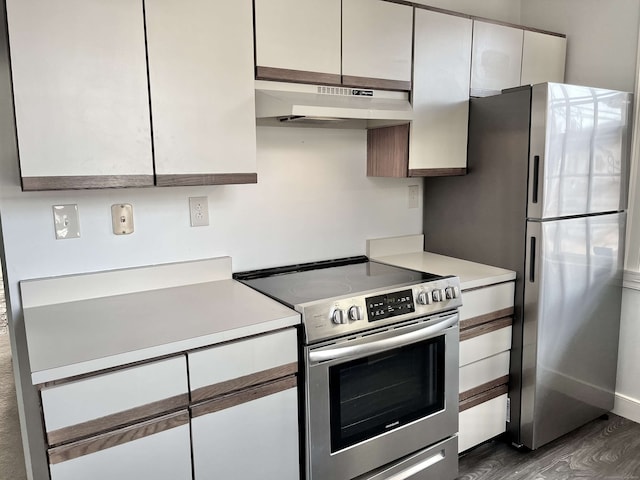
(603,449)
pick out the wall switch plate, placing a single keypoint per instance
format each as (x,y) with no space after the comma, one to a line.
(66,221)
(414,196)
(122,218)
(199,211)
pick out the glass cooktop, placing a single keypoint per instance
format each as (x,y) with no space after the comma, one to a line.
(298,284)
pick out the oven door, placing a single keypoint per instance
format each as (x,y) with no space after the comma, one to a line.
(376,398)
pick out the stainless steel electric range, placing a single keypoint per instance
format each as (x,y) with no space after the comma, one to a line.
(380,346)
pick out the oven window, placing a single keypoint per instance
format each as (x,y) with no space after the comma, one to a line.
(375,394)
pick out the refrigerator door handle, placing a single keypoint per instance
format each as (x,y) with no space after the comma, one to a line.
(536,179)
(532,260)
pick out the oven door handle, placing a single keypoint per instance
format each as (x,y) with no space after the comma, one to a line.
(385,344)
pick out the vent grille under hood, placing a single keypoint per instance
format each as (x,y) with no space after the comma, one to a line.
(331,106)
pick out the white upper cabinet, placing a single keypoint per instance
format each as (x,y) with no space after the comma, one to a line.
(376,44)
(81,94)
(202,91)
(543,58)
(298,39)
(442,61)
(496,58)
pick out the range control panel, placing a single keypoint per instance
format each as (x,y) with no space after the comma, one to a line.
(389,305)
(341,316)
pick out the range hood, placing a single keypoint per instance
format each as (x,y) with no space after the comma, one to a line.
(318,105)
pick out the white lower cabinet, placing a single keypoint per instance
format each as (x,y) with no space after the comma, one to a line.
(158,449)
(250,440)
(485,343)
(482,422)
(228,411)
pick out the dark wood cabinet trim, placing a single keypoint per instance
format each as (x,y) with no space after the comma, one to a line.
(483,397)
(32,184)
(488,317)
(485,328)
(375,83)
(244,396)
(116,420)
(504,380)
(197,180)
(388,151)
(117,437)
(297,76)
(243,382)
(437,172)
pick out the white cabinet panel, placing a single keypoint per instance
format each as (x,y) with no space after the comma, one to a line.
(496,58)
(80,88)
(241,358)
(442,63)
(482,422)
(486,345)
(202,91)
(487,300)
(483,371)
(299,35)
(97,397)
(164,455)
(543,58)
(257,439)
(376,39)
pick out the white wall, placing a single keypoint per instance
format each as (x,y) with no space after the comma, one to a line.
(602,38)
(628,379)
(313,201)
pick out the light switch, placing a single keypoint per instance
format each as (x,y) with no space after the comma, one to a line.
(122,218)
(66,221)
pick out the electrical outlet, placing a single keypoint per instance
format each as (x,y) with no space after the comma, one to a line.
(199,211)
(414,196)
(66,221)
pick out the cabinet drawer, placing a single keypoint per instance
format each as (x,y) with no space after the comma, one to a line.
(234,366)
(484,371)
(496,299)
(95,404)
(157,449)
(484,346)
(482,422)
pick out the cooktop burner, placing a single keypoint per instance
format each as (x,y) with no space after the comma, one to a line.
(299,284)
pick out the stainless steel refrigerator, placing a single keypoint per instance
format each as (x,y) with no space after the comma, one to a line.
(545,195)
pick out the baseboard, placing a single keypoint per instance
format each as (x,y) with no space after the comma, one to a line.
(627,407)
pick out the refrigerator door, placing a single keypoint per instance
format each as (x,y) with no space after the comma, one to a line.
(573,291)
(578,159)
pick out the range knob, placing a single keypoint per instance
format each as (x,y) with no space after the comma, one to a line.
(450,293)
(424,298)
(355,313)
(436,295)
(338,316)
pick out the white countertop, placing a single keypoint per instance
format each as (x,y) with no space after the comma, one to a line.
(81,336)
(406,251)
(472,275)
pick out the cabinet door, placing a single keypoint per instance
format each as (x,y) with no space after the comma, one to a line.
(255,423)
(202,93)
(298,40)
(80,90)
(158,449)
(497,58)
(543,58)
(442,64)
(376,44)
